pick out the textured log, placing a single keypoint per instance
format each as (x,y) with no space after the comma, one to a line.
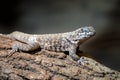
(47,65)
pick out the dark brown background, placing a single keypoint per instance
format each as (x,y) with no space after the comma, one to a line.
(52,16)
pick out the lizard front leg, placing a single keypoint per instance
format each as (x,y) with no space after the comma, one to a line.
(72,54)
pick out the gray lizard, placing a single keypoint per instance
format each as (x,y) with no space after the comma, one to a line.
(60,42)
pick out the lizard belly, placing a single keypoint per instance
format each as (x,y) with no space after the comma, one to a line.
(56,45)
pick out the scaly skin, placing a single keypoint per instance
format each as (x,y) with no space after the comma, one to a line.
(59,42)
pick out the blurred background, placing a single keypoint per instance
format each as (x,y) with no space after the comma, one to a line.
(54,16)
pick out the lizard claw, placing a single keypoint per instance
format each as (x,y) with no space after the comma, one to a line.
(11,53)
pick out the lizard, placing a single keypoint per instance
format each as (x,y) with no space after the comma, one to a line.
(58,42)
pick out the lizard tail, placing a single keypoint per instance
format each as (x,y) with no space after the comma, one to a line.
(3,35)
(17,35)
(6,36)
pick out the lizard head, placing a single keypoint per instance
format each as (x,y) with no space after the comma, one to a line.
(82,34)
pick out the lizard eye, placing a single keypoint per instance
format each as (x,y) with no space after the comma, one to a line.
(86,30)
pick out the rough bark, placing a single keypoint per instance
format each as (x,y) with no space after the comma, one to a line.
(48,65)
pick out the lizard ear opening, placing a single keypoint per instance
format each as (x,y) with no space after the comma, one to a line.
(75,40)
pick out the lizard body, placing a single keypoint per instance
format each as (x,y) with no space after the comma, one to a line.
(59,42)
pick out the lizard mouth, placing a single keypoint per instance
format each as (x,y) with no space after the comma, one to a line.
(91,33)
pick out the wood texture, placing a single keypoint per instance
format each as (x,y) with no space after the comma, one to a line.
(48,65)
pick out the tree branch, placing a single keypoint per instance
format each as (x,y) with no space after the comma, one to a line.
(48,65)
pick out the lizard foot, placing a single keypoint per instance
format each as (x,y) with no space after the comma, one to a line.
(10,53)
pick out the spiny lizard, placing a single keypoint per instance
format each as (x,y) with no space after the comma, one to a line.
(60,42)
